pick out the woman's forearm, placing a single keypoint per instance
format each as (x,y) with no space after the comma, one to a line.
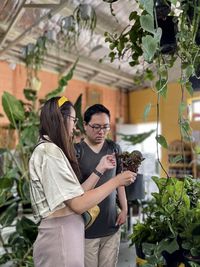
(91,198)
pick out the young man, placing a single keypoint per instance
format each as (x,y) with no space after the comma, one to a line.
(102,239)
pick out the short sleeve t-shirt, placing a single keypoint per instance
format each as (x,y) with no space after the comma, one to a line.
(105,223)
(52,182)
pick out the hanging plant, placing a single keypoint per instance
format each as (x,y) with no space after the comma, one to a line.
(85,17)
(34,58)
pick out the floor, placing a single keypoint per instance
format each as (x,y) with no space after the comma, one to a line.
(126,255)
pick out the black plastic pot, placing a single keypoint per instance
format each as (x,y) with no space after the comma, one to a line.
(163,8)
(136,190)
(168,38)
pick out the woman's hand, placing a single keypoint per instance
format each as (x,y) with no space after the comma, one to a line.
(121,218)
(126,178)
(107,162)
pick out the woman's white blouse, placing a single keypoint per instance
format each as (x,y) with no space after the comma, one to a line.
(52,180)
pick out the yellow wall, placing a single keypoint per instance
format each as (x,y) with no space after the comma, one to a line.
(168,112)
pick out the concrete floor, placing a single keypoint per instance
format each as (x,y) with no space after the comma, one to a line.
(126,255)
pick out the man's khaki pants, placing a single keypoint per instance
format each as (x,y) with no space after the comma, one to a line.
(102,252)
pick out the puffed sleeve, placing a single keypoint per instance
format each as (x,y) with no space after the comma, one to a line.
(58,178)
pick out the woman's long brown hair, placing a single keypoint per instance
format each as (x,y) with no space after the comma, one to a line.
(53,123)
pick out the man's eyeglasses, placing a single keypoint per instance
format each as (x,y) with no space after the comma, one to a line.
(73,118)
(97,128)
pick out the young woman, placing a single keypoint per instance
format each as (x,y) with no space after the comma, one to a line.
(58,199)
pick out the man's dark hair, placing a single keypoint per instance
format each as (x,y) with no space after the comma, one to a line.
(95,109)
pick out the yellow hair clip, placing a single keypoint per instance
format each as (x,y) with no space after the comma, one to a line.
(62,100)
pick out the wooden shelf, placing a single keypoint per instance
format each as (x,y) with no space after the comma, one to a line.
(180,165)
(179,153)
(181,169)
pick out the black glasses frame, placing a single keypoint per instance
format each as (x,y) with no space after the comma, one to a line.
(73,118)
(98,128)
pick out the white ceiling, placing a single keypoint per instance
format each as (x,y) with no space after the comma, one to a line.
(23,21)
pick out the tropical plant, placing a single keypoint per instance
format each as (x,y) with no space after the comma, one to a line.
(135,138)
(18,230)
(143,40)
(170,229)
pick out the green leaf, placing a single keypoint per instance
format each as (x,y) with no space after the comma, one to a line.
(161,87)
(146,111)
(189,70)
(133,15)
(189,88)
(149,46)
(62,83)
(182,108)
(27,229)
(8,216)
(29,135)
(176,159)
(30,94)
(148,6)
(78,109)
(147,23)
(162,141)
(136,138)
(13,108)
(168,245)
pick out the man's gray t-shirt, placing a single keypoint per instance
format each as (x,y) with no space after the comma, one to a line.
(104,225)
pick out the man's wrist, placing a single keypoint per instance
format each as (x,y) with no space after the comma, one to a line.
(99,174)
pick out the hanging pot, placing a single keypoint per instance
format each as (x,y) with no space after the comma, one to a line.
(163,8)
(110,1)
(36,84)
(68,23)
(168,38)
(51,35)
(136,190)
(86,11)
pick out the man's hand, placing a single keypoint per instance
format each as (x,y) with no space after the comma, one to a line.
(107,162)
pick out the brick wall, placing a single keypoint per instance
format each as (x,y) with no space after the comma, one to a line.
(14,81)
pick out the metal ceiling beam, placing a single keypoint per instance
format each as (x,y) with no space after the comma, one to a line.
(51,13)
(45,6)
(93,65)
(12,24)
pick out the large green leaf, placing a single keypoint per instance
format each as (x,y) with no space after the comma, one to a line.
(78,109)
(148,6)
(29,135)
(136,138)
(27,228)
(168,245)
(162,141)
(149,46)
(8,216)
(13,108)
(147,23)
